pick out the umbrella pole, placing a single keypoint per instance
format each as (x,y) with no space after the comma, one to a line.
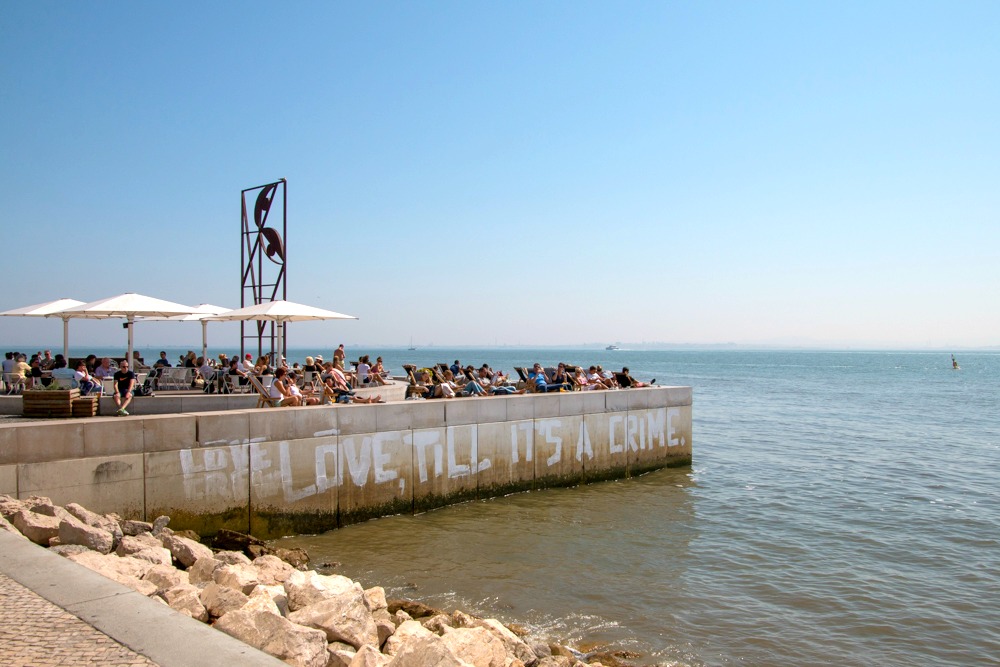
(204,340)
(131,356)
(66,339)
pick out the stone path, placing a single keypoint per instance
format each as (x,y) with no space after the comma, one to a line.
(36,633)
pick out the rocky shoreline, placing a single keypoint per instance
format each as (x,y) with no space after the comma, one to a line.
(267,598)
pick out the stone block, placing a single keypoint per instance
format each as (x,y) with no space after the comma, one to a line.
(492,410)
(616,401)
(293,486)
(546,405)
(509,447)
(202,489)
(8,443)
(101,484)
(679,395)
(409,415)
(377,473)
(657,435)
(354,419)
(164,433)
(272,425)
(111,437)
(604,455)
(444,465)
(519,406)
(556,442)
(645,398)
(214,429)
(460,411)
(571,402)
(8,480)
(50,441)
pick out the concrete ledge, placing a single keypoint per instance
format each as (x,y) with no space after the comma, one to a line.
(145,626)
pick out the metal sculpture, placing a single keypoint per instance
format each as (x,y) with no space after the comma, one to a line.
(263,280)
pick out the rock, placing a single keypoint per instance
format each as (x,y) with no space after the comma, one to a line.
(46,507)
(400,617)
(306,588)
(375,598)
(219,600)
(343,618)
(74,531)
(185,551)
(297,558)
(39,528)
(241,577)
(67,549)
(272,570)
(33,501)
(367,656)
(339,654)
(9,506)
(260,600)
(166,577)
(384,624)
(405,633)
(133,567)
(130,544)
(190,534)
(277,594)
(477,646)
(232,557)
(230,540)
(95,520)
(541,649)
(414,609)
(186,599)
(154,555)
(131,527)
(438,624)
(159,524)
(7,526)
(429,650)
(277,636)
(258,550)
(513,644)
(203,570)
(110,567)
(554,661)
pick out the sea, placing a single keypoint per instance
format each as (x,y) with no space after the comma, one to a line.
(841,509)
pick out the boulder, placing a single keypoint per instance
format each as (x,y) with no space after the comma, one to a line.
(133,567)
(367,656)
(554,661)
(74,531)
(159,524)
(230,540)
(277,636)
(438,624)
(277,594)
(400,617)
(260,600)
(9,505)
(186,599)
(154,555)
(477,646)
(232,557)
(306,588)
(383,624)
(297,558)
(109,567)
(219,600)
(130,544)
(405,633)
(375,598)
(131,527)
(241,577)
(95,520)
(7,526)
(416,610)
(66,550)
(166,577)
(203,570)
(343,618)
(339,654)
(272,570)
(39,528)
(513,644)
(429,650)
(184,551)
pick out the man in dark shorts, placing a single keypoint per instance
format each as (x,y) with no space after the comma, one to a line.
(124,386)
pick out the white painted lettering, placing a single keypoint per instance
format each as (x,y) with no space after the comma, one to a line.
(455,470)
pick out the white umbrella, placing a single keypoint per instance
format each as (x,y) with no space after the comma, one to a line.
(128,306)
(201,312)
(49,309)
(280,312)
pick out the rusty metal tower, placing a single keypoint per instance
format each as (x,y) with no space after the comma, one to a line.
(263,262)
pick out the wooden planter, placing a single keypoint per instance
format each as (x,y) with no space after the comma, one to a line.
(49,403)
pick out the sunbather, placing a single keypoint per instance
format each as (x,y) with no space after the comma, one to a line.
(632,382)
(280,391)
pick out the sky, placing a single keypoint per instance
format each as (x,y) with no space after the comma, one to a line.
(819,174)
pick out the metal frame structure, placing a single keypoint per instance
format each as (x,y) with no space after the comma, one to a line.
(263,281)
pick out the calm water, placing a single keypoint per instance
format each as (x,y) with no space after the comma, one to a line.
(842,509)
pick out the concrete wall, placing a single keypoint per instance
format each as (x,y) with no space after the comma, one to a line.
(281,471)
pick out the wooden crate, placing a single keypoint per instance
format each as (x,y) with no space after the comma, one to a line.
(86,406)
(49,402)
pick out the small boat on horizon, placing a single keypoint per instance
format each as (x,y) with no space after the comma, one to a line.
(612,347)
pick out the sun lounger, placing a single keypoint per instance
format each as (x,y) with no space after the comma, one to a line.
(264,399)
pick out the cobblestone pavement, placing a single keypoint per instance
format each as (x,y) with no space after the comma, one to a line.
(36,633)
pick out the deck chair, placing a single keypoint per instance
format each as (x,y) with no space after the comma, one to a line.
(264,400)
(522,373)
(14,383)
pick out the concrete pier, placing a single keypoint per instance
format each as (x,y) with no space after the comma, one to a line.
(273,472)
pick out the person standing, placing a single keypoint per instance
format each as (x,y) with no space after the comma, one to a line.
(338,357)
(124,381)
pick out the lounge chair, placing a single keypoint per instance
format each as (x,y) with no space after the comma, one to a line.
(264,399)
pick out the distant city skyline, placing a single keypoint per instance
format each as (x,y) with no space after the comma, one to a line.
(776,174)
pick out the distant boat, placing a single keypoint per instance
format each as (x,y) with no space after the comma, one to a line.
(954,364)
(612,347)
(411,348)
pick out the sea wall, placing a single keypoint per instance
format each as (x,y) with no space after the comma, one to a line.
(275,472)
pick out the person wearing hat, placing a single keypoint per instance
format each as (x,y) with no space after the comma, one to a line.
(246,363)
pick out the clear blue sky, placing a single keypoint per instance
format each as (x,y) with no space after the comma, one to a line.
(471,173)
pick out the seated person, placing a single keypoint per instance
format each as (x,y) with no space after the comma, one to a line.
(305,398)
(162,362)
(38,378)
(583,383)
(104,370)
(62,372)
(137,362)
(240,376)
(561,376)
(280,391)
(632,382)
(608,377)
(378,373)
(335,390)
(88,384)
(124,386)
(363,370)
(595,378)
(47,362)
(538,382)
